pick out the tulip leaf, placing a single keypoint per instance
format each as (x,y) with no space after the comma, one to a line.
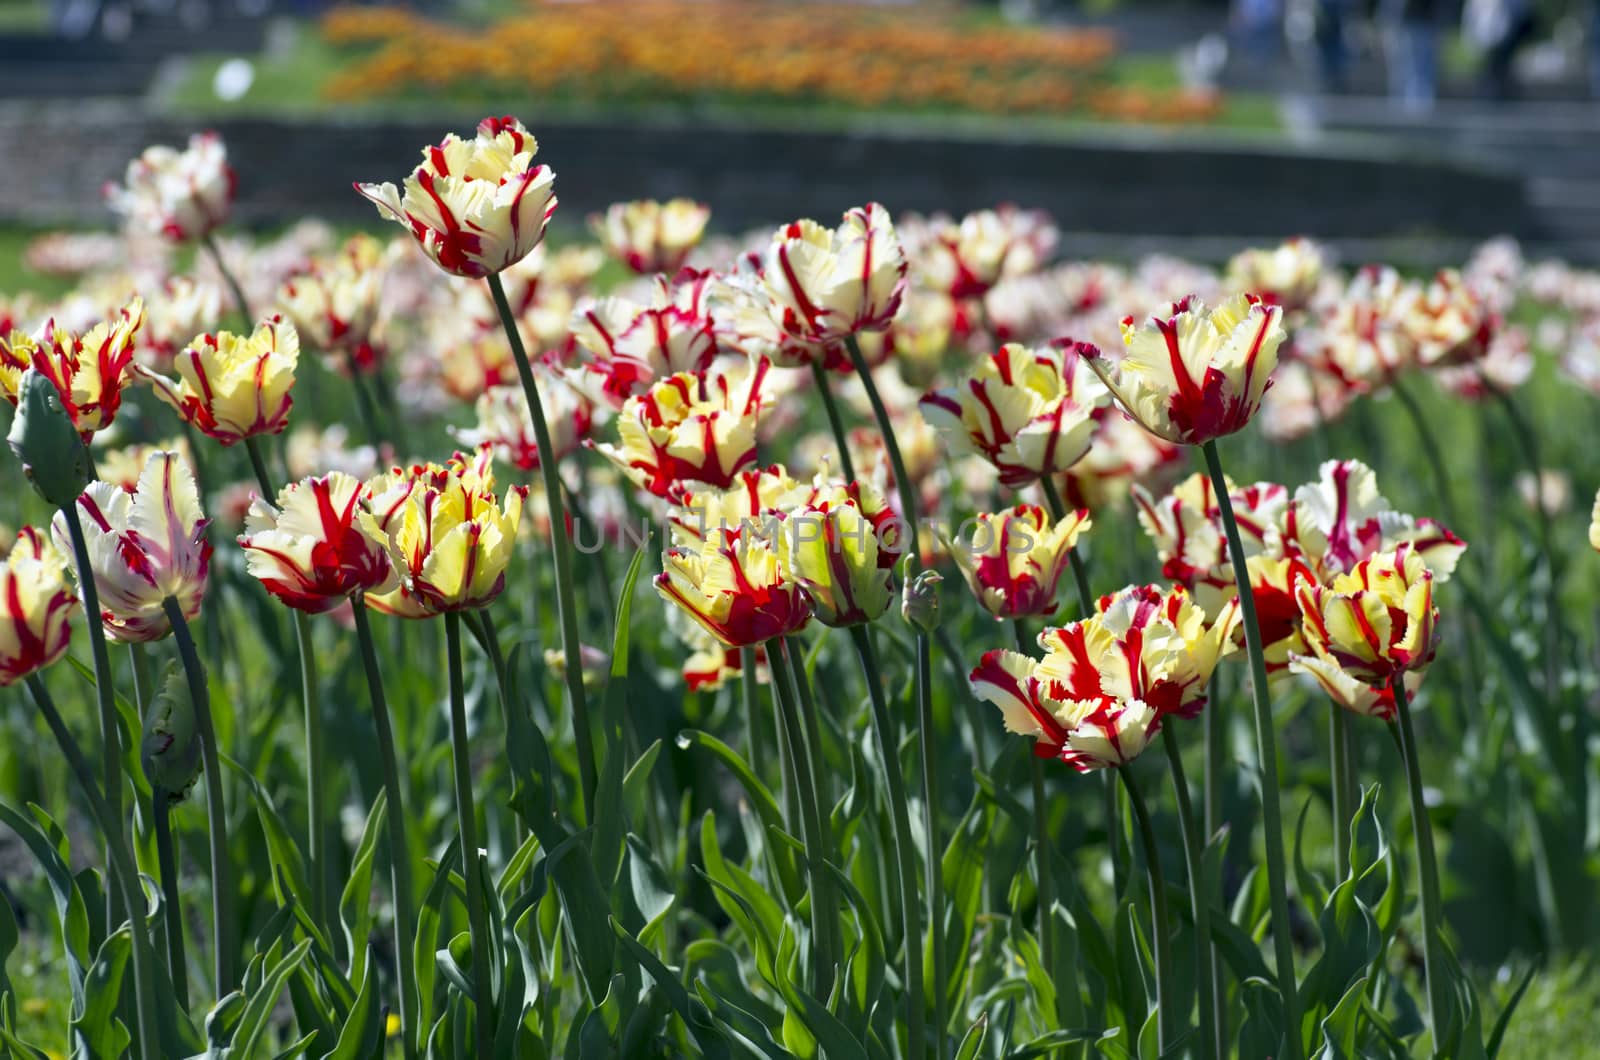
(362,1034)
(355,903)
(97,1025)
(71,912)
(761,800)
(972,1041)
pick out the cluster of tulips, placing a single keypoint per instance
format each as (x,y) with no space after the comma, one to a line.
(1062,407)
(843,55)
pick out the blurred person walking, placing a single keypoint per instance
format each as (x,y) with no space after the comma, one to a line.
(1498,28)
(1412,44)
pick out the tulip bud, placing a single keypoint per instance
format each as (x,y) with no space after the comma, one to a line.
(919,601)
(170,750)
(43,437)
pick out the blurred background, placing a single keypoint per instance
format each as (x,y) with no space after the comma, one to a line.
(1405,130)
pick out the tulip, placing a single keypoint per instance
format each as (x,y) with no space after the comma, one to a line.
(1360,339)
(179,195)
(1450,321)
(452,539)
(689,428)
(1086,734)
(87,370)
(1014,559)
(36,603)
(144,547)
(968,258)
(1195,375)
(735,587)
(649,236)
(186,307)
(336,306)
(1341,519)
(826,284)
(1376,622)
(505,425)
(1286,275)
(319,546)
(123,466)
(841,546)
(475,206)
(234,387)
(755,498)
(632,346)
(1028,412)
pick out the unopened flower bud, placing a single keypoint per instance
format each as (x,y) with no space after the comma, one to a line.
(43,437)
(919,602)
(170,749)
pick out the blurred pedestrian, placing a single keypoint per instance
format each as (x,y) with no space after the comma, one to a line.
(1333,55)
(1498,28)
(1412,38)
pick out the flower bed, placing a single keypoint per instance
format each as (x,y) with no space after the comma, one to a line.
(673,51)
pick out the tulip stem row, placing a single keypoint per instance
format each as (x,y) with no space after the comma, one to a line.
(223,926)
(1439,1005)
(467,822)
(105,692)
(1267,752)
(561,542)
(172,923)
(240,301)
(124,872)
(935,849)
(405,927)
(1342,788)
(1211,1044)
(819,375)
(801,767)
(904,843)
(1160,940)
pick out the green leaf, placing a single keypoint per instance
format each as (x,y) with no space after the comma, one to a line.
(288,864)
(694,1013)
(362,1035)
(761,800)
(972,1041)
(652,892)
(1498,1034)
(260,1003)
(97,1025)
(429,914)
(355,903)
(1342,1026)
(71,912)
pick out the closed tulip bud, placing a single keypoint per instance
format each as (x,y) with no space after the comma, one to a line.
(234,387)
(319,546)
(451,537)
(840,546)
(476,206)
(1374,623)
(919,601)
(1014,559)
(829,283)
(649,236)
(88,370)
(734,586)
(1030,413)
(179,195)
(35,604)
(1196,374)
(42,436)
(170,748)
(144,547)
(690,428)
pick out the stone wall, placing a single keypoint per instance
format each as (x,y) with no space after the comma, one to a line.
(1139,183)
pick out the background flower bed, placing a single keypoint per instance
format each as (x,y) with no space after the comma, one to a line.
(677,52)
